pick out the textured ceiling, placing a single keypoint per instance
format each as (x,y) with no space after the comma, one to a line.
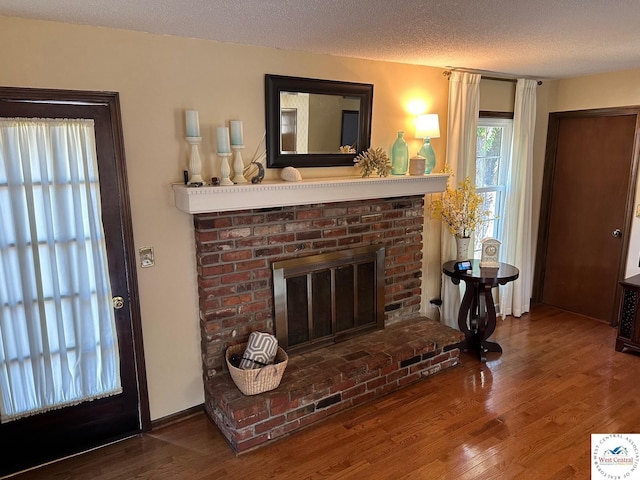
(535,38)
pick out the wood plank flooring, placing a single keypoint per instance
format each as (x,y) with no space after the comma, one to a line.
(527,413)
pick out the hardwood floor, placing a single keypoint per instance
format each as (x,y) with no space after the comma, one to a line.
(527,413)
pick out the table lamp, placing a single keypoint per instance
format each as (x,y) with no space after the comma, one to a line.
(428,127)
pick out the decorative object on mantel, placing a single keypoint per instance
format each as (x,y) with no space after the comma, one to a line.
(225,170)
(399,156)
(192,123)
(237,144)
(255,169)
(428,127)
(416,165)
(461,210)
(347,149)
(490,253)
(195,164)
(260,175)
(224,152)
(290,174)
(374,159)
(193,138)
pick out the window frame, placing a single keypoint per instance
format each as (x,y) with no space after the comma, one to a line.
(505,121)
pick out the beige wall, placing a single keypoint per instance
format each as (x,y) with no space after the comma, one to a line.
(497,95)
(158,77)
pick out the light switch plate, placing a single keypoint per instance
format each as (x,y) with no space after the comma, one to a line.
(147,258)
(638,211)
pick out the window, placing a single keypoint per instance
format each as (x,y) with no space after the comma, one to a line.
(493,150)
(58,344)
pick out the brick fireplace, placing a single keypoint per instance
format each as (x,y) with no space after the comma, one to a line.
(235,250)
(241,230)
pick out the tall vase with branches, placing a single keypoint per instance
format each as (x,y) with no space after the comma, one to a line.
(461,211)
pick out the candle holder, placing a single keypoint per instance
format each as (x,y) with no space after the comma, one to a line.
(225,170)
(195,164)
(238,165)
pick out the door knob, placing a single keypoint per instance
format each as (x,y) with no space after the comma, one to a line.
(118,302)
(617,233)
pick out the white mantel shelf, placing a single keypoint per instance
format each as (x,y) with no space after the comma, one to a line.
(270,194)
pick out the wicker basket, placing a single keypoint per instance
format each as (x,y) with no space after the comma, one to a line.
(257,380)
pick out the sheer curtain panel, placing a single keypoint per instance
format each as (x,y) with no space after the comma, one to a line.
(464,106)
(515,297)
(57,327)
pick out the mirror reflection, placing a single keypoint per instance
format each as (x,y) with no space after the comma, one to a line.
(318,123)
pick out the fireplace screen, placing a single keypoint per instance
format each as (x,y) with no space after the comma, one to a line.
(326,298)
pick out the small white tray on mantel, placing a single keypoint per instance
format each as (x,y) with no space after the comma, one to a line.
(270,194)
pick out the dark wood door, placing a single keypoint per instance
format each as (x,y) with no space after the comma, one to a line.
(289,126)
(40,438)
(589,180)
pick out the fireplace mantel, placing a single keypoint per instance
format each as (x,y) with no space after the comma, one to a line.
(320,190)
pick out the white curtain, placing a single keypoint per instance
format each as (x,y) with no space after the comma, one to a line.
(464,106)
(57,328)
(515,297)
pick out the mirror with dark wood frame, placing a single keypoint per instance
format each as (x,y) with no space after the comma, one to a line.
(316,123)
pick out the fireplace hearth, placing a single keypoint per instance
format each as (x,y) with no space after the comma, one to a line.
(332,379)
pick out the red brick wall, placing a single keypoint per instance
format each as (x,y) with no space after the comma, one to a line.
(234,252)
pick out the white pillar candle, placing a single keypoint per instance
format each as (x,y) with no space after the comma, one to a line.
(193,125)
(223,140)
(236,132)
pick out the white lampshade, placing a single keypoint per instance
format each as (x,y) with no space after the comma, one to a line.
(427,126)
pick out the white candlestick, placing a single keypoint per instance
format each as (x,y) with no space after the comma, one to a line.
(193,125)
(238,165)
(223,140)
(225,170)
(195,165)
(236,132)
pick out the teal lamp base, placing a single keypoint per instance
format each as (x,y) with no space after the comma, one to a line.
(427,152)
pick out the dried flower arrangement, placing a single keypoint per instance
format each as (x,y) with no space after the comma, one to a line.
(374,159)
(460,209)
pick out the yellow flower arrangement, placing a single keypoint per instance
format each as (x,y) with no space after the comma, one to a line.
(460,209)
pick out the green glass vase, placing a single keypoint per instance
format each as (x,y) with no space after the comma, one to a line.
(399,156)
